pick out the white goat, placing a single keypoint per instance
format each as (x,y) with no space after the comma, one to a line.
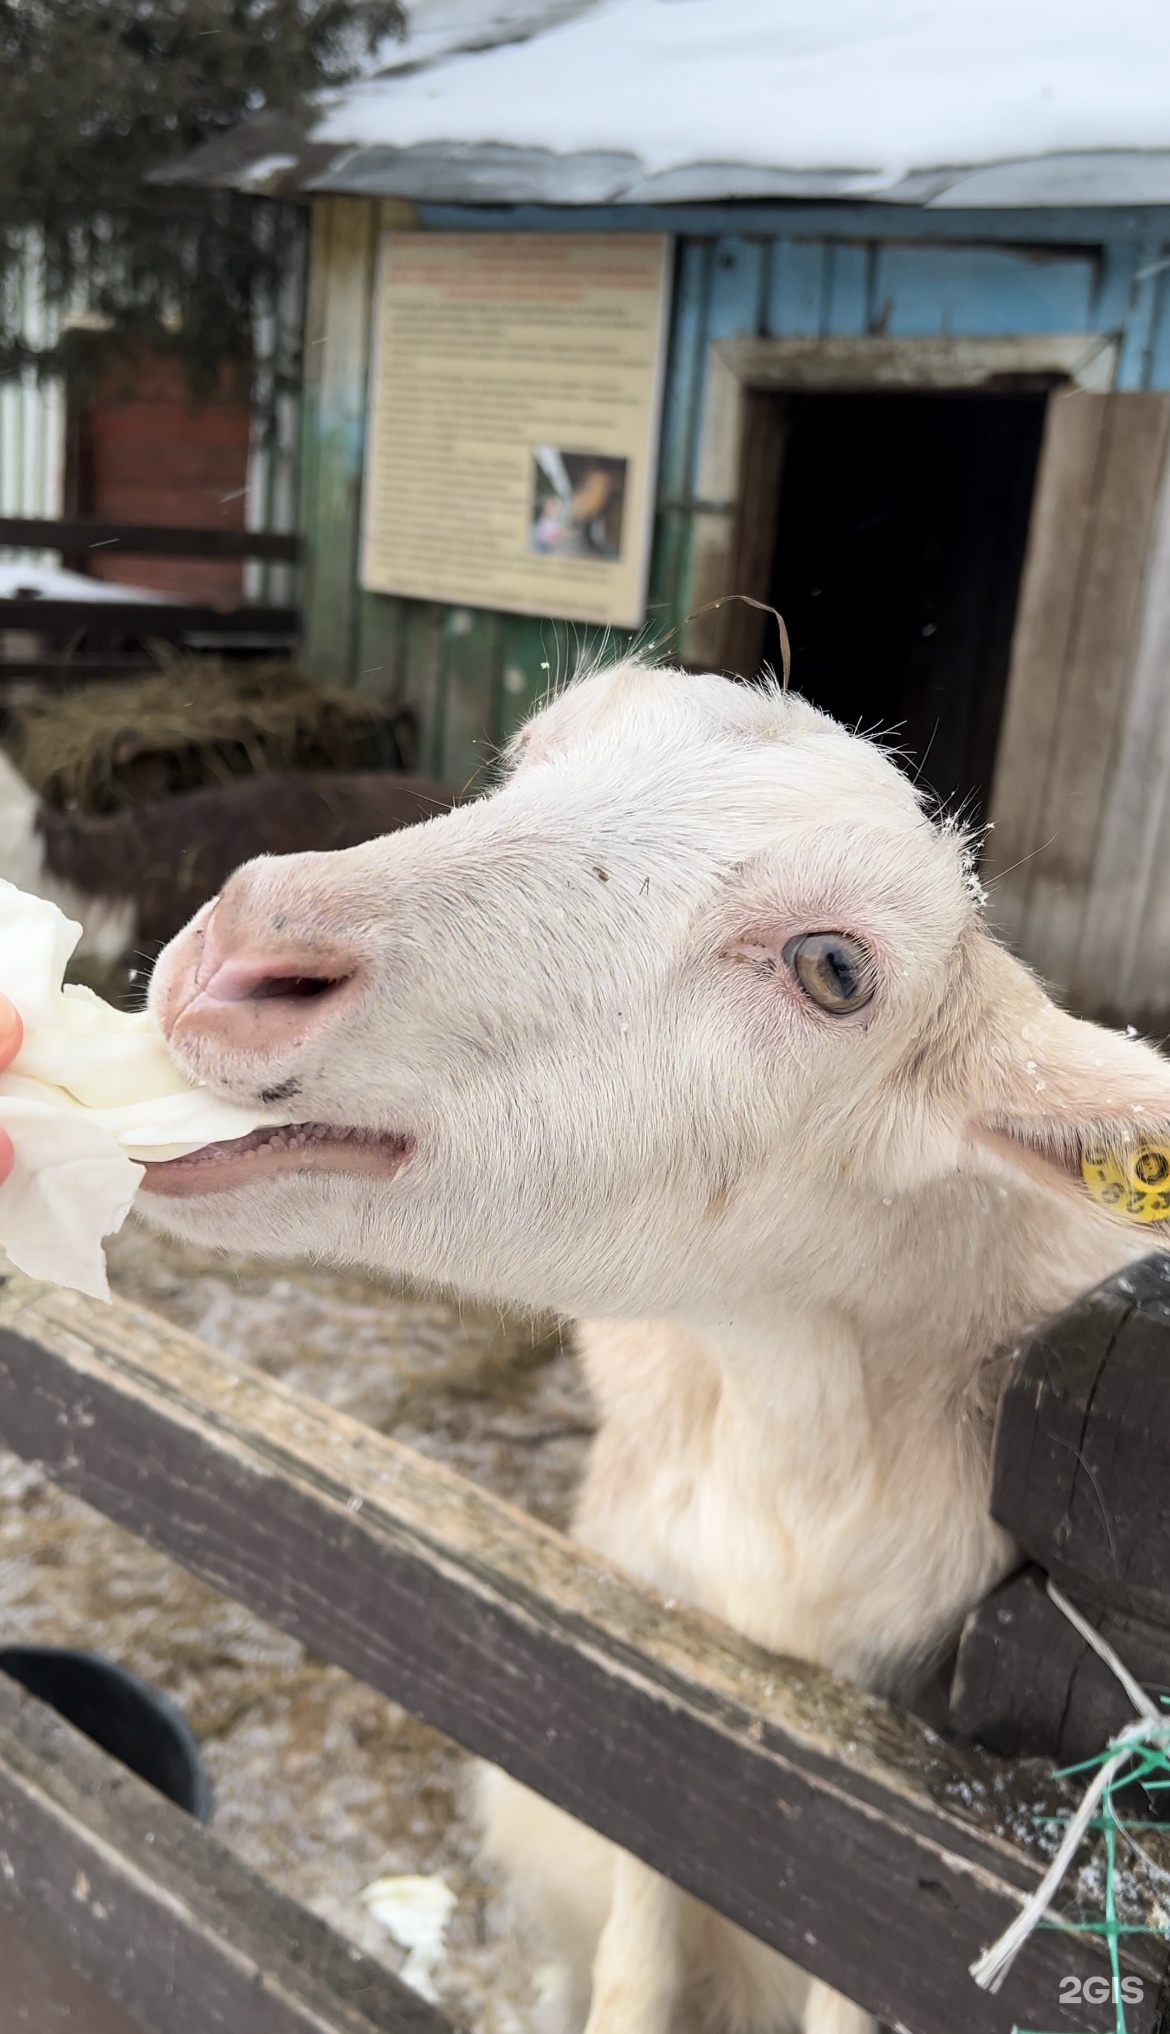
(692,1029)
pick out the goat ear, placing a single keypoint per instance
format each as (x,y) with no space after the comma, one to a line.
(1081,1109)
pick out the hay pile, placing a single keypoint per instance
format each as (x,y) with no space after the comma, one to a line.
(199,721)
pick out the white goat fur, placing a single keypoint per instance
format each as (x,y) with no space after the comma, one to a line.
(802,1246)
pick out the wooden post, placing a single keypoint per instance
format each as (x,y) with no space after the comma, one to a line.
(1081,1478)
(1027,1685)
(1082,1448)
(342,251)
(1093,523)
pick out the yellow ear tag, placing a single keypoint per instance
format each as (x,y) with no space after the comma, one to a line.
(1134,1183)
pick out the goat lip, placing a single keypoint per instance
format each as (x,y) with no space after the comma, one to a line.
(312,1148)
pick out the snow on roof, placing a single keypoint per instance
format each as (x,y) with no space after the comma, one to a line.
(436,27)
(874,89)
(943,102)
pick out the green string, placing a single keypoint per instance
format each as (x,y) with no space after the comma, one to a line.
(1150,1769)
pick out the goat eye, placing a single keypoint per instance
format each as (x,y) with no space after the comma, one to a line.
(835,971)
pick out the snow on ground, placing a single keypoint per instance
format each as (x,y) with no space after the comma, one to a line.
(320,1784)
(806,84)
(55,582)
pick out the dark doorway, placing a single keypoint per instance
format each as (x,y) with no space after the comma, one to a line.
(900,535)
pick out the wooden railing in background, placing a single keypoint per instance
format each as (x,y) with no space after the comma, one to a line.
(76,640)
(77,537)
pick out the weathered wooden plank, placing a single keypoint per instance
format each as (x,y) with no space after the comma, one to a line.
(421,682)
(1123,971)
(678,443)
(796,284)
(165,619)
(380,655)
(1082,1447)
(151,1909)
(738,280)
(471,658)
(43,1992)
(735,311)
(1140,313)
(1050,592)
(1156,366)
(337,343)
(1116,266)
(748,630)
(67,669)
(847,265)
(834,218)
(811,1813)
(145,540)
(938,361)
(984,289)
(1095,679)
(717,485)
(1027,1685)
(686,348)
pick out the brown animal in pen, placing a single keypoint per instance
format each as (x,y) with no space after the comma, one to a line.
(133,878)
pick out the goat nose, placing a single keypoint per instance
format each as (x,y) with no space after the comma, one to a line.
(226,982)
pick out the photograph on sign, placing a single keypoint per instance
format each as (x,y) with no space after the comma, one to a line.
(515,398)
(578,503)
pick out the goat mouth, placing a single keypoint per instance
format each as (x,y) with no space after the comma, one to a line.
(291,1147)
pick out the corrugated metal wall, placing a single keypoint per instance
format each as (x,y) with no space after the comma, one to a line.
(32,413)
(274,459)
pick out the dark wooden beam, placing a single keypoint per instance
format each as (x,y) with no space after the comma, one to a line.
(1082,1446)
(80,537)
(141,1902)
(1027,1684)
(64,671)
(837,1829)
(98,620)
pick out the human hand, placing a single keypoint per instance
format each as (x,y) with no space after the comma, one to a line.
(11,1036)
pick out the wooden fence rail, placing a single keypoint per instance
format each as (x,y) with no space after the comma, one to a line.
(78,536)
(835,1828)
(102,620)
(142,1902)
(86,639)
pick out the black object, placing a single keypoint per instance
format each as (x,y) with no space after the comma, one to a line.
(1081,1473)
(132,1721)
(1027,1684)
(900,541)
(1081,1479)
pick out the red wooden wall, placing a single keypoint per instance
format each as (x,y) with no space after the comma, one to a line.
(143,452)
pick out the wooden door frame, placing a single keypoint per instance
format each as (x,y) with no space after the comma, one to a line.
(737,481)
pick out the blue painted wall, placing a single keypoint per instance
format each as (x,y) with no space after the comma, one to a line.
(790,285)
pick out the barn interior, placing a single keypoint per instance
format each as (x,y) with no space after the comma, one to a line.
(901,522)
